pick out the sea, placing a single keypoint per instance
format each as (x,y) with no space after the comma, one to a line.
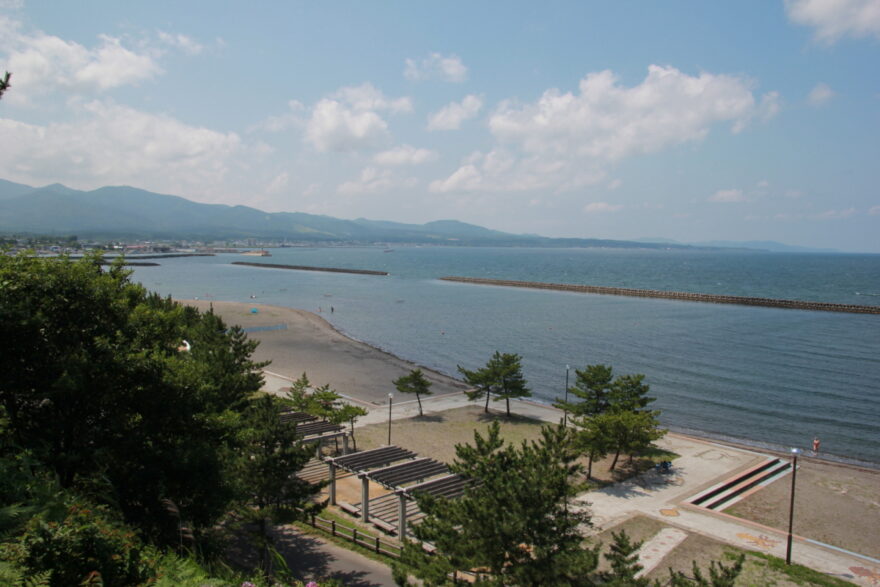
(765,377)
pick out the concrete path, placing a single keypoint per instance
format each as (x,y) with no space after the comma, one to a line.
(311,559)
(655,550)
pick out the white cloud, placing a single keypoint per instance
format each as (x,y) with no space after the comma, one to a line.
(186,44)
(279,184)
(109,144)
(874,211)
(436,66)
(728,196)
(452,115)
(615,183)
(348,119)
(836,214)
(834,19)
(568,140)
(42,63)
(601,207)
(373,180)
(820,95)
(292,118)
(404,155)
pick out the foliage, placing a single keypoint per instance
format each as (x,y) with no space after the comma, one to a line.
(592,385)
(720,575)
(4,83)
(416,383)
(86,544)
(502,377)
(96,389)
(268,474)
(323,402)
(513,523)
(624,559)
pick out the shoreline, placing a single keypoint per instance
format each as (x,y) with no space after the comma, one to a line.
(363,372)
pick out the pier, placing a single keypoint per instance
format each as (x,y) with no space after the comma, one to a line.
(675,295)
(306,268)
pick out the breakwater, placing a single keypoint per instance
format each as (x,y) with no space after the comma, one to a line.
(675,295)
(306,268)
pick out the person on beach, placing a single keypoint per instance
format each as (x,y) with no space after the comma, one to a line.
(816,444)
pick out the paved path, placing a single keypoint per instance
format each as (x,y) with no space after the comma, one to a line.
(312,558)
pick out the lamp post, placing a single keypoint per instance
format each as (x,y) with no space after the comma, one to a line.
(390,402)
(794,455)
(565,406)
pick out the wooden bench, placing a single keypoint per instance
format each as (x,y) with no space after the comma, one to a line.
(383,525)
(347,507)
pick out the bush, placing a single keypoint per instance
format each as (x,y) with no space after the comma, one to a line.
(85,546)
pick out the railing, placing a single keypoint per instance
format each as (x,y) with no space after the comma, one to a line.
(352,534)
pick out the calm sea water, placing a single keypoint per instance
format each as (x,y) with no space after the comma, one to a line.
(764,376)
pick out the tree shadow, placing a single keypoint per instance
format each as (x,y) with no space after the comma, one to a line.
(429,418)
(307,560)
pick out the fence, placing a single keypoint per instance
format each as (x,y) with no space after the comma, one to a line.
(352,534)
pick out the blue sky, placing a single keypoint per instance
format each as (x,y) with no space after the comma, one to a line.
(695,121)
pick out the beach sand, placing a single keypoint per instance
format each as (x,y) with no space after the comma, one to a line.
(837,504)
(310,345)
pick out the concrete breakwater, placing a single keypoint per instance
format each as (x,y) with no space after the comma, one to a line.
(306,268)
(675,295)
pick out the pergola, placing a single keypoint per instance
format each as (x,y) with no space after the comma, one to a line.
(402,472)
(309,429)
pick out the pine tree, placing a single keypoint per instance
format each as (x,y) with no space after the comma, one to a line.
(624,559)
(512,521)
(502,377)
(416,383)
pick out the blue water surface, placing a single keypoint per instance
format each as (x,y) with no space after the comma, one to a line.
(765,376)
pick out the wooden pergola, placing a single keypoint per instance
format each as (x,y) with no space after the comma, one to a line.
(310,429)
(404,474)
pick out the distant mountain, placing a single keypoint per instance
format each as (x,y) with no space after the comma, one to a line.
(126,212)
(767,246)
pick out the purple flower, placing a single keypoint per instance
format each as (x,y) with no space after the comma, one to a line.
(311,584)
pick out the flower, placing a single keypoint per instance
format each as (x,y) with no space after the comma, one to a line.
(311,584)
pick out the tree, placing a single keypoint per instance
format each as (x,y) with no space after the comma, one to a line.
(268,473)
(502,377)
(593,438)
(512,523)
(4,83)
(95,388)
(630,432)
(623,556)
(323,403)
(629,393)
(415,383)
(719,575)
(592,385)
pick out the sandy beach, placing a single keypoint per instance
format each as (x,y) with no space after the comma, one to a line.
(837,504)
(309,344)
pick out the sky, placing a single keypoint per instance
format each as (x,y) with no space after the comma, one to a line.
(686,120)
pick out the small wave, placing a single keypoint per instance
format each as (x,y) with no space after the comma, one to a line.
(873,295)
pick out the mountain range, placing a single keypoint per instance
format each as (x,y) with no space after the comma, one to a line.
(122,212)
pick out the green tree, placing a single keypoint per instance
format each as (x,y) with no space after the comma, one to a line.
(592,386)
(629,393)
(720,575)
(623,556)
(502,377)
(416,383)
(323,403)
(631,432)
(513,523)
(96,389)
(4,83)
(273,455)
(593,438)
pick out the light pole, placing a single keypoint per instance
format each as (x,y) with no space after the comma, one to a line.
(390,401)
(565,406)
(794,455)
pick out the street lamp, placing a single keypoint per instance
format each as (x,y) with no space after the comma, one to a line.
(390,401)
(794,455)
(565,405)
